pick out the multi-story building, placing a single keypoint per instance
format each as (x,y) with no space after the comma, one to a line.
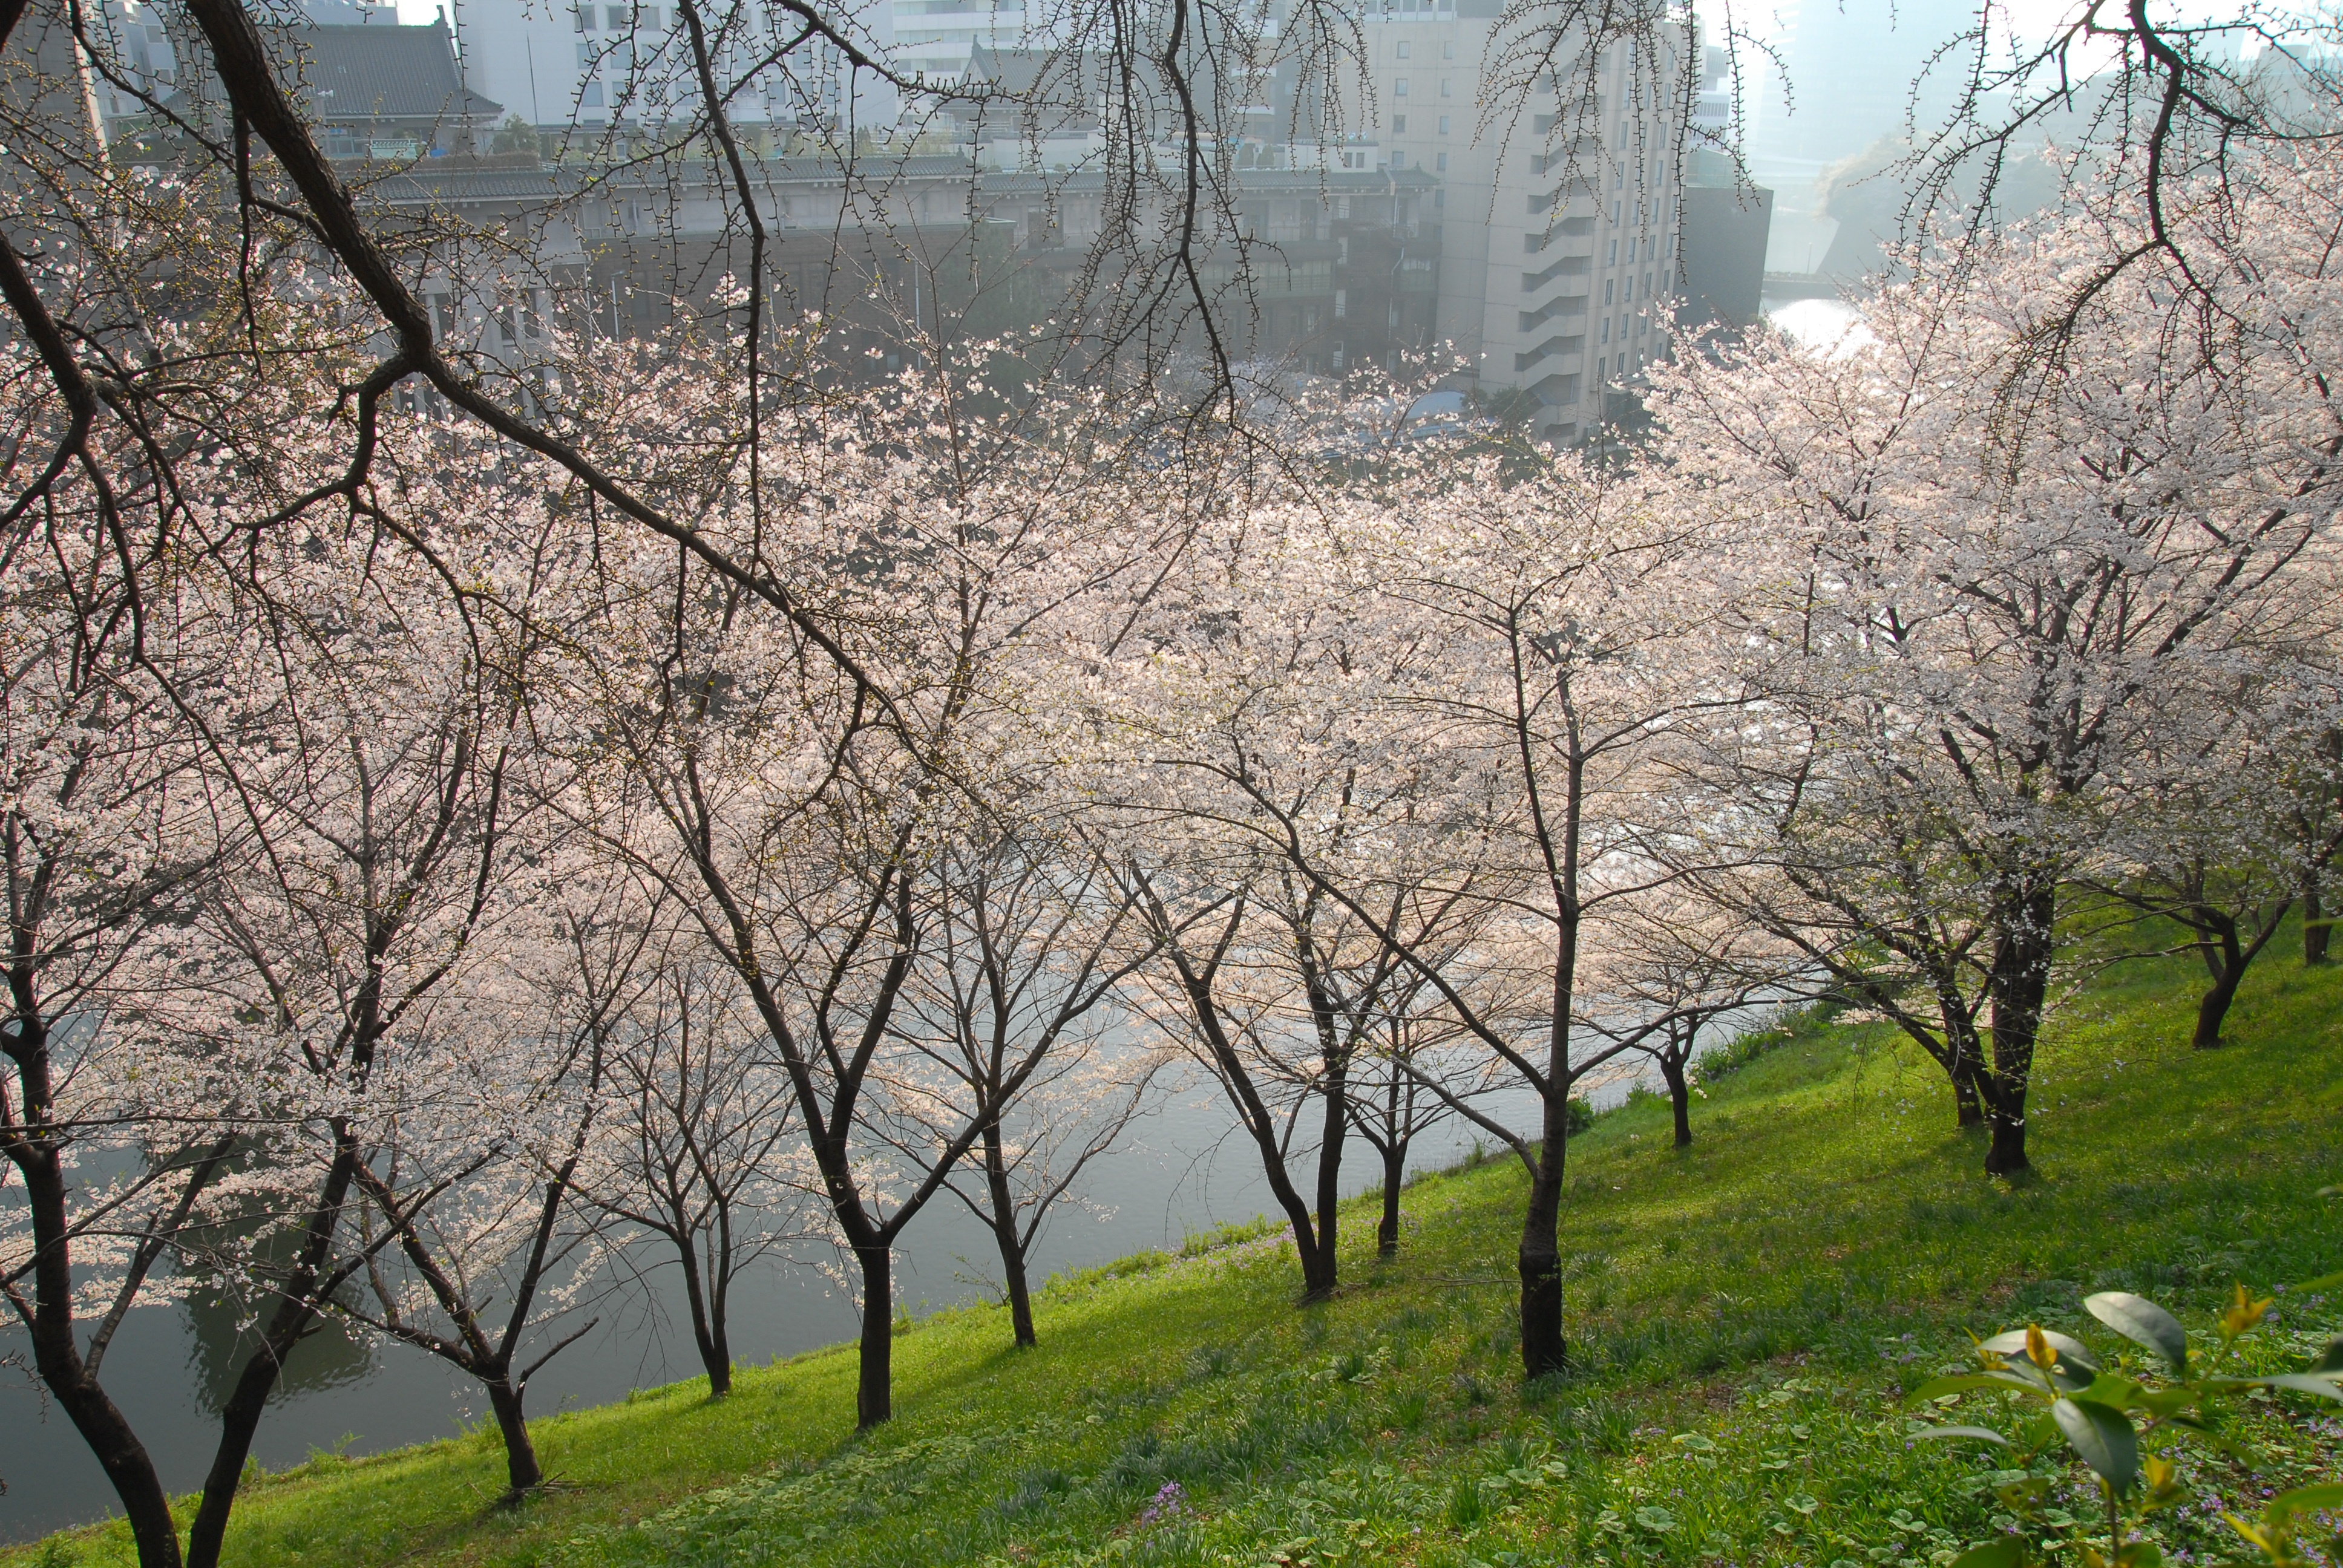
(1557,214)
(596,65)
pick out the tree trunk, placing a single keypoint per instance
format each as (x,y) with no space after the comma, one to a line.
(1543,1349)
(874,1398)
(56,1352)
(2017,985)
(1394,1173)
(707,1327)
(1337,1092)
(239,1420)
(2225,963)
(58,1359)
(1679,1098)
(1006,1236)
(1968,1106)
(521,1470)
(2315,928)
(295,1315)
(1255,1115)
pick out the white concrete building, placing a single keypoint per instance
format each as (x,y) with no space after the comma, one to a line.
(558,64)
(1556,246)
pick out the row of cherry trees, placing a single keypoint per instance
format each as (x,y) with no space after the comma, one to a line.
(438,899)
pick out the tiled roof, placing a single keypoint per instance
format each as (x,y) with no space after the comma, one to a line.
(381,73)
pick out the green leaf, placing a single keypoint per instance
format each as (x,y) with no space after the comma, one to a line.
(2306,1500)
(1982,1433)
(2104,1439)
(2143,1322)
(2009,1552)
(2324,1282)
(2323,1384)
(2070,1351)
(1961,1382)
(2139,1554)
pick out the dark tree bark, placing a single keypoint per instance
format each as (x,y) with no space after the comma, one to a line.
(1968,1107)
(1395,1173)
(710,1335)
(2018,983)
(2227,954)
(522,1472)
(874,1391)
(1679,1082)
(1543,1347)
(1237,1080)
(2315,926)
(68,1377)
(1006,1235)
(295,1315)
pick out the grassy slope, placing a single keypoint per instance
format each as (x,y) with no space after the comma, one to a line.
(1744,1315)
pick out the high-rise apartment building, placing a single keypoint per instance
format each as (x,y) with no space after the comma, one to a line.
(1557,217)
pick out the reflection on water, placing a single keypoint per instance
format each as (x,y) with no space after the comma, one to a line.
(219,1342)
(1828,326)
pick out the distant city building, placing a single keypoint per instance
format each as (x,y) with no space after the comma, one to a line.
(1537,244)
(593,65)
(1558,224)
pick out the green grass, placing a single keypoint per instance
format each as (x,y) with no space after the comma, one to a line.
(1744,1316)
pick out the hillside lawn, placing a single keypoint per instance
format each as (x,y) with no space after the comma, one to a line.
(1743,1316)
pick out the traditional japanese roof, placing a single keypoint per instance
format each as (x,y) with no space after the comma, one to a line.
(382,73)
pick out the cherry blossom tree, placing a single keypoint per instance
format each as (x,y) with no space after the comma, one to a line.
(1027,944)
(1967,597)
(699,1151)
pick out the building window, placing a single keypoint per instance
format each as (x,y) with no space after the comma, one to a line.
(1448,48)
(1404,48)
(1399,87)
(1444,124)
(1399,159)
(1606,289)
(1607,329)
(1440,199)
(1399,125)
(1440,162)
(590,96)
(652,21)
(1342,305)
(614,18)
(1444,89)
(1615,255)
(585,19)
(585,55)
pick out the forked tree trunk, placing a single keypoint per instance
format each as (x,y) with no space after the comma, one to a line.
(1006,1236)
(1317,1265)
(708,1334)
(522,1472)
